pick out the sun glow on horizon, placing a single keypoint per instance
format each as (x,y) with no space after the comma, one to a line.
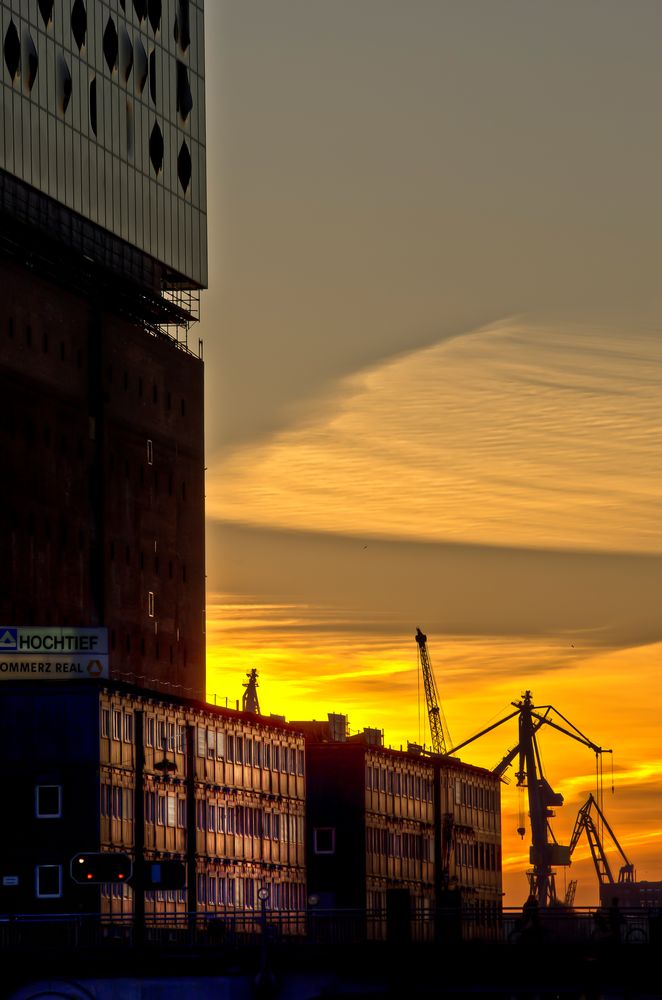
(306,673)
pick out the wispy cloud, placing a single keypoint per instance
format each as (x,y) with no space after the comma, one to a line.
(519,434)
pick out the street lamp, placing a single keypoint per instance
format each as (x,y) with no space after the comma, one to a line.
(264,981)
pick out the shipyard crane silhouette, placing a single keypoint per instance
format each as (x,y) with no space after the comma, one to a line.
(438,728)
(545,851)
(586,822)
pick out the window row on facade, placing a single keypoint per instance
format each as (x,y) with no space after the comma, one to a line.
(480,854)
(250,821)
(476,796)
(242,893)
(399,844)
(403,783)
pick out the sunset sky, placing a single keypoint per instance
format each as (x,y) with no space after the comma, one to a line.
(433,348)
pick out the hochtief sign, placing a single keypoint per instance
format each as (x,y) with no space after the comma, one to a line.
(53,653)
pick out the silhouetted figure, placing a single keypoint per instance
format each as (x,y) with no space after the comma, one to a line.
(614,921)
(529,927)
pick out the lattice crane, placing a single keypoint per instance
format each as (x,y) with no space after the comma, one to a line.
(586,822)
(437,722)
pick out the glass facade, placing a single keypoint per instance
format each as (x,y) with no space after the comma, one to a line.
(102,108)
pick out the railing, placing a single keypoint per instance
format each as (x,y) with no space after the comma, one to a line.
(321,927)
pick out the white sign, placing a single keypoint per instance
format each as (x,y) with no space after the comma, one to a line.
(52,653)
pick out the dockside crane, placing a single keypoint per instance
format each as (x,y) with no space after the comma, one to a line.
(435,717)
(545,852)
(585,822)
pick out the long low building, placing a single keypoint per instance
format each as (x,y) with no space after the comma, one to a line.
(108,767)
(399,834)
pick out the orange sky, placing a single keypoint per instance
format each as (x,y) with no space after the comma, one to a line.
(502,491)
(433,351)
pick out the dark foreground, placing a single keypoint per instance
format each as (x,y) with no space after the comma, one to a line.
(575,959)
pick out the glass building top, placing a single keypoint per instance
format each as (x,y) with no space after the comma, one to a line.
(102,108)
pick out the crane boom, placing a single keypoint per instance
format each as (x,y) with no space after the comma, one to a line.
(585,822)
(431,697)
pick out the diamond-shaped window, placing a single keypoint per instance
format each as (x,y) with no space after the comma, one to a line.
(126,54)
(65,85)
(46,10)
(184,166)
(110,44)
(184,98)
(156,148)
(79,23)
(154,14)
(182,30)
(93,105)
(142,69)
(12,50)
(32,60)
(152,75)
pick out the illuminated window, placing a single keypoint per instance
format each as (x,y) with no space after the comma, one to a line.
(150,603)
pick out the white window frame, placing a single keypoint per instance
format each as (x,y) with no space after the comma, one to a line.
(44,815)
(47,895)
(324,829)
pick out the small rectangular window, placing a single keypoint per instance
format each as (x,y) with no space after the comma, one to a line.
(324,840)
(48,801)
(105,722)
(181,814)
(150,603)
(181,738)
(161,810)
(149,731)
(172,807)
(150,452)
(117,725)
(48,881)
(220,746)
(128,728)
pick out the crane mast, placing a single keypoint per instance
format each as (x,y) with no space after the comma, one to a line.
(431,697)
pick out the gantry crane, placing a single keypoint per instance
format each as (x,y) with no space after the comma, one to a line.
(545,852)
(586,822)
(435,716)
